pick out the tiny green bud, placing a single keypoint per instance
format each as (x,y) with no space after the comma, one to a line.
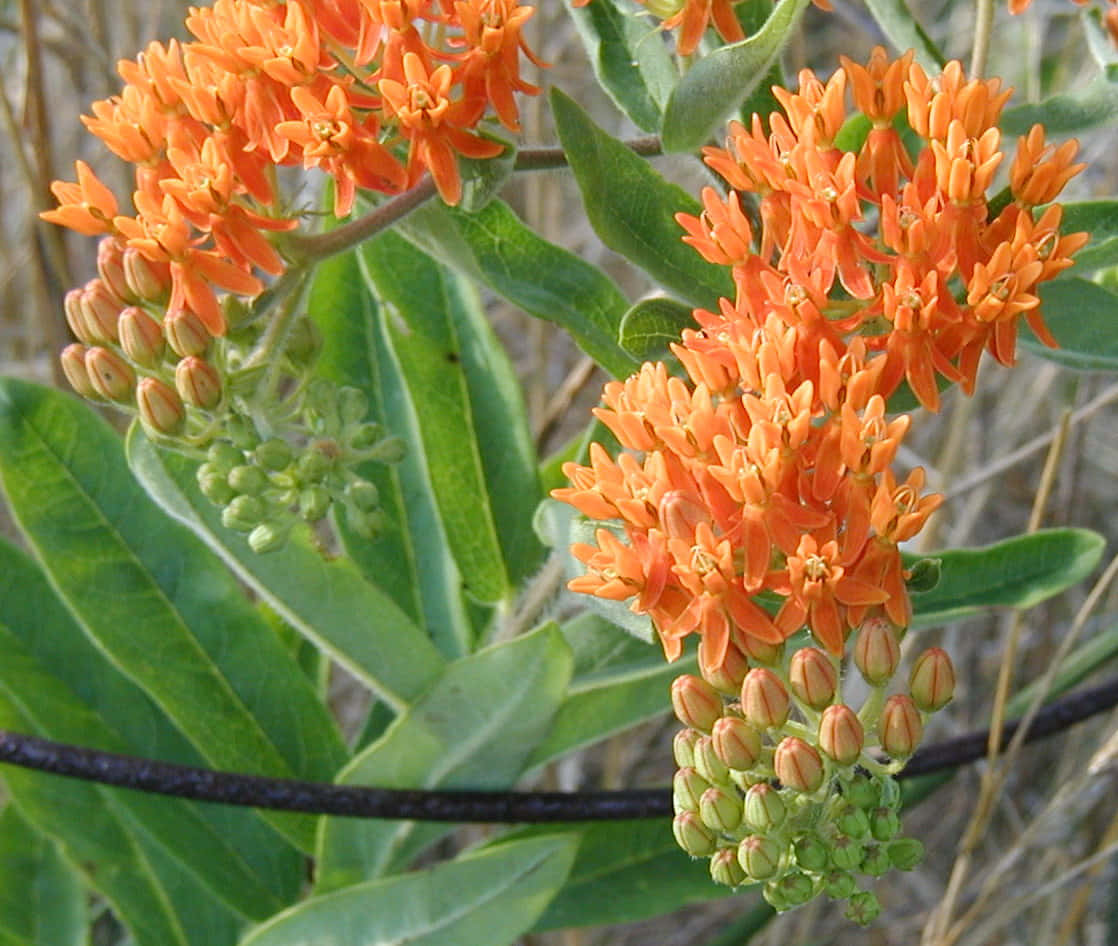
(312,465)
(267,537)
(798,765)
(683,747)
(725,869)
(764,700)
(364,495)
(243,433)
(876,861)
(759,857)
(765,810)
(692,835)
(304,342)
(884,824)
(838,885)
(709,766)
(811,853)
(214,485)
(905,853)
(248,479)
(224,456)
(924,574)
(797,888)
(775,898)
(863,908)
(846,853)
(274,454)
(389,450)
(314,503)
(353,405)
(243,514)
(687,788)
(852,822)
(862,791)
(719,810)
(736,742)
(696,703)
(365,436)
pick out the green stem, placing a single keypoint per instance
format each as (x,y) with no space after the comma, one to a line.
(983,28)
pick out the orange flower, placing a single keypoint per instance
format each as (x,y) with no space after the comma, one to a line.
(87,206)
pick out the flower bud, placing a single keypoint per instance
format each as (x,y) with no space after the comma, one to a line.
(863,908)
(727,676)
(900,728)
(314,503)
(390,450)
(795,888)
(214,485)
(764,809)
(73,366)
(764,701)
(364,436)
(877,652)
(692,835)
(875,861)
(846,852)
(75,318)
(145,279)
(363,494)
(838,885)
(932,681)
(267,537)
(812,677)
(725,869)
(852,822)
(862,792)
(736,742)
(243,514)
(707,763)
(811,853)
(762,652)
(185,333)
(798,765)
(884,824)
(161,410)
(759,857)
(696,703)
(110,375)
(353,405)
(905,853)
(140,336)
(720,811)
(198,383)
(687,788)
(840,734)
(683,747)
(304,342)
(110,267)
(100,307)
(274,454)
(311,466)
(224,456)
(248,479)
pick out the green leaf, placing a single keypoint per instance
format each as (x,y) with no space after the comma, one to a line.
(652,325)
(1099,218)
(1068,113)
(484,898)
(42,902)
(1081,316)
(475,729)
(495,248)
(629,59)
(328,602)
(474,430)
(483,178)
(163,609)
(721,80)
(1015,573)
(904,32)
(632,208)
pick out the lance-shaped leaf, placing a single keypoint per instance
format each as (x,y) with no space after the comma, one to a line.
(1099,218)
(721,80)
(652,325)
(471,420)
(410,560)
(154,600)
(328,602)
(475,729)
(1088,106)
(632,207)
(1016,573)
(484,898)
(629,61)
(905,32)
(494,247)
(1081,316)
(42,902)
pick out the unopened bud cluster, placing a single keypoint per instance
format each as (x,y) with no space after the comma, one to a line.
(782,783)
(278,448)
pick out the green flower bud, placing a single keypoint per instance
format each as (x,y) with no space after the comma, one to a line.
(687,788)
(875,861)
(905,853)
(796,888)
(224,456)
(838,885)
(696,703)
(236,311)
(364,495)
(707,763)
(924,574)
(214,485)
(692,835)
(248,479)
(243,433)
(369,525)
(862,792)
(759,857)
(364,436)
(725,869)
(852,822)
(863,908)
(765,810)
(390,450)
(304,342)
(719,810)
(798,765)
(312,465)
(683,747)
(314,503)
(884,824)
(267,537)
(811,853)
(775,898)
(274,454)
(846,853)
(812,677)
(353,405)
(764,700)
(243,514)
(736,742)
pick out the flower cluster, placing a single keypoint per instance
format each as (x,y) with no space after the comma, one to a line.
(375,93)
(756,495)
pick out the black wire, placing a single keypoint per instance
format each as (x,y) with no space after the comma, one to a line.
(321,798)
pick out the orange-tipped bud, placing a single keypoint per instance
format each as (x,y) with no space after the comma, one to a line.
(759,857)
(73,366)
(110,267)
(812,677)
(877,651)
(161,409)
(146,280)
(764,701)
(798,765)
(692,835)
(725,869)
(683,747)
(720,811)
(840,734)
(198,383)
(110,375)
(736,743)
(185,333)
(140,337)
(75,318)
(901,728)
(687,788)
(932,681)
(100,308)
(765,810)
(707,763)
(696,703)
(726,676)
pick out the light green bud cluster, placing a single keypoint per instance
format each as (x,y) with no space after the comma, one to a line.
(790,787)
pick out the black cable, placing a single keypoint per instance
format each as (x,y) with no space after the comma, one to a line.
(255,791)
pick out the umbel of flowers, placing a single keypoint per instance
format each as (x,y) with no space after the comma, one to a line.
(375,93)
(756,495)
